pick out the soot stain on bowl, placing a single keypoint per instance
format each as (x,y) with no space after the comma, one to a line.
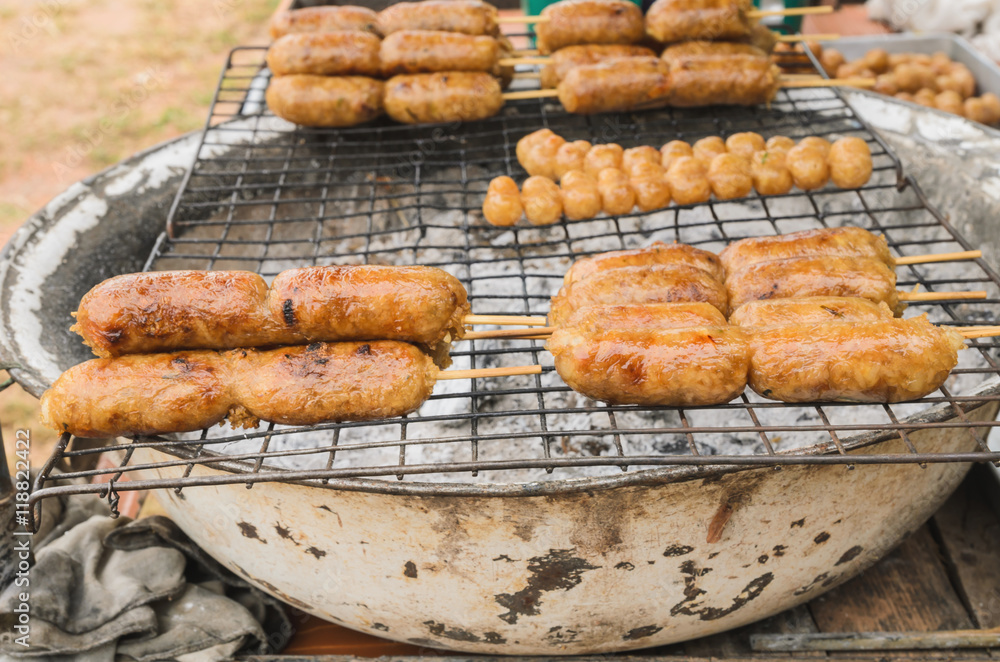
(559,570)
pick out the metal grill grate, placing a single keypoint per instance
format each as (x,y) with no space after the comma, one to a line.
(265,196)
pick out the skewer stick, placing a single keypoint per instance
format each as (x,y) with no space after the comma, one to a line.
(491,372)
(980,332)
(789,38)
(941,296)
(527,74)
(514,61)
(533,333)
(523,19)
(939,257)
(530,94)
(524,52)
(505,320)
(791,11)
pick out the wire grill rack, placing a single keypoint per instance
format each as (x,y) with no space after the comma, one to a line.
(265,196)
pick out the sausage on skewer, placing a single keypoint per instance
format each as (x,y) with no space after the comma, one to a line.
(565,59)
(442,97)
(185,391)
(325,101)
(669,21)
(575,22)
(425,51)
(326,54)
(346,18)
(465,16)
(656,253)
(162,311)
(844,241)
(809,310)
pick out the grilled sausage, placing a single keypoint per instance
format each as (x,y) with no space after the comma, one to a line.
(574,22)
(838,276)
(647,316)
(580,197)
(649,183)
(675,367)
(809,310)
(617,197)
(688,181)
(736,80)
(163,311)
(325,101)
(325,53)
(347,18)
(656,253)
(502,205)
(186,391)
(536,152)
(652,283)
(464,16)
(669,21)
(850,162)
(423,51)
(745,144)
(570,156)
(891,360)
(674,150)
(455,96)
(846,241)
(770,174)
(542,200)
(699,48)
(604,156)
(567,58)
(729,176)
(808,166)
(616,85)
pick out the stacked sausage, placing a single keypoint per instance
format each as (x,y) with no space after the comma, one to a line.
(596,178)
(935,81)
(646,326)
(441,59)
(185,350)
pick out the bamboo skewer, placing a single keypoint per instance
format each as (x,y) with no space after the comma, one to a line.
(505,320)
(754,13)
(980,332)
(490,372)
(938,257)
(790,38)
(942,296)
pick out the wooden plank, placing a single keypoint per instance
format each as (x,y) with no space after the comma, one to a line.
(970,538)
(736,643)
(907,591)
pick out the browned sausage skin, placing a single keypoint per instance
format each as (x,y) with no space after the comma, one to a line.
(575,22)
(346,18)
(465,16)
(670,21)
(809,310)
(168,310)
(889,360)
(184,391)
(425,51)
(325,54)
(846,241)
(442,97)
(325,101)
(656,253)
(565,59)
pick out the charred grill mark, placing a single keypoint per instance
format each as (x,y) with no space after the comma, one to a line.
(288,312)
(558,570)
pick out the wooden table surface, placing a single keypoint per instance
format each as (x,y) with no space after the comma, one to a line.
(945,576)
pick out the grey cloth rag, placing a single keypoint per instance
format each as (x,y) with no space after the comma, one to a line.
(103,590)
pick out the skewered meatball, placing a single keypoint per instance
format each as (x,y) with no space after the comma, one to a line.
(770,174)
(886,84)
(673,150)
(536,152)
(850,162)
(636,155)
(822,144)
(571,156)
(745,144)
(581,199)
(542,200)
(600,157)
(884,361)
(649,182)
(809,310)
(779,143)
(502,205)
(729,176)
(688,181)
(617,197)
(674,367)
(656,253)
(707,149)
(808,167)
